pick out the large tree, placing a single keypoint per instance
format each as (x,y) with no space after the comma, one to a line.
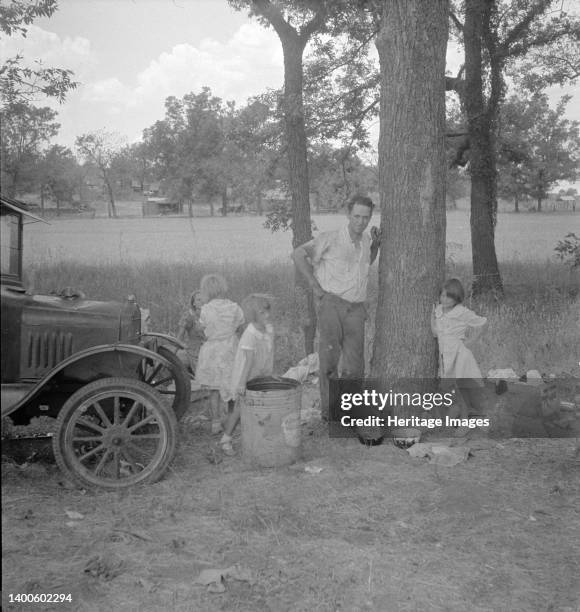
(412,44)
(24,131)
(59,175)
(495,34)
(187,146)
(295,22)
(100,148)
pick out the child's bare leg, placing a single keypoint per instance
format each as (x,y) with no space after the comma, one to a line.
(232,420)
(215,410)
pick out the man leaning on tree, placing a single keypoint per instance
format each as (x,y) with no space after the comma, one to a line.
(336,265)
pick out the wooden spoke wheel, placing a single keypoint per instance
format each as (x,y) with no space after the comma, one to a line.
(115,433)
(172,383)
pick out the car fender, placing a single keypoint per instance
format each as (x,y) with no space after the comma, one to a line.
(10,405)
(169,339)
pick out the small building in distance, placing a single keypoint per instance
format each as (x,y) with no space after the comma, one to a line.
(157,206)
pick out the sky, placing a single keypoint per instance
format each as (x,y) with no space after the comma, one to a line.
(130,55)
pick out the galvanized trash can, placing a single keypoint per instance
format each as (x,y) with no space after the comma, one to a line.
(270,420)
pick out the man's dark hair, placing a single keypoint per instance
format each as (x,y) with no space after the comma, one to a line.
(359,199)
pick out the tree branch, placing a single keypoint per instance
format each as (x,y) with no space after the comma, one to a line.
(542,39)
(456,21)
(313,25)
(274,16)
(519,29)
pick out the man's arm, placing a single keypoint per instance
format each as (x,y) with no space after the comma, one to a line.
(302,257)
(375,243)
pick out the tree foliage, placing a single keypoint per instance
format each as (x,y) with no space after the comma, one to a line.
(24,131)
(101,148)
(187,146)
(538,146)
(58,174)
(19,80)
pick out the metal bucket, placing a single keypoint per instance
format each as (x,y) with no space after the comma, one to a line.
(270,418)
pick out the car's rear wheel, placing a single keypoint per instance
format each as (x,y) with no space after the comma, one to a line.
(115,433)
(173,383)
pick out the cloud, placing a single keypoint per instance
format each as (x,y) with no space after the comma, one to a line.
(247,64)
(54,51)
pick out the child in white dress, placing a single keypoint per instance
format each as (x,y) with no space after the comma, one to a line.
(254,357)
(450,320)
(219,318)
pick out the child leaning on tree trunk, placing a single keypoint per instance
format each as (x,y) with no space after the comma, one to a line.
(450,323)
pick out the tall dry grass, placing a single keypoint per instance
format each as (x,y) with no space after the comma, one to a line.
(537,326)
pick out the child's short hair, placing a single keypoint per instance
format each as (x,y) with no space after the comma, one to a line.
(255,303)
(213,286)
(454,289)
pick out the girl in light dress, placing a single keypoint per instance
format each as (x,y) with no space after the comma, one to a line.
(254,357)
(450,321)
(219,318)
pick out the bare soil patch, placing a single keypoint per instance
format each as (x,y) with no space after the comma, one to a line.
(374,530)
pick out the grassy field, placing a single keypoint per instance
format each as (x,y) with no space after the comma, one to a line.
(519,237)
(162,260)
(373,529)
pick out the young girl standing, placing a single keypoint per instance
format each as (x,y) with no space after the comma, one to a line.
(219,318)
(450,320)
(254,357)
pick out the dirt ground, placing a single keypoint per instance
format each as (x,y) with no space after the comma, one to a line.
(374,529)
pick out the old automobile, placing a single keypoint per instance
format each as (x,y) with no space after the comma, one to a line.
(115,393)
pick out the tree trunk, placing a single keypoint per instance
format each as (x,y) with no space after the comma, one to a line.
(295,133)
(259,207)
(412,176)
(111,204)
(539,204)
(224,195)
(482,157)
(517,203)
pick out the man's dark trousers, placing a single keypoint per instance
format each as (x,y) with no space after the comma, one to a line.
(341,327)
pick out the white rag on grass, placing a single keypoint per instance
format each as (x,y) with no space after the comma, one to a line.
(506,373)
(305,367)
(440,454)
